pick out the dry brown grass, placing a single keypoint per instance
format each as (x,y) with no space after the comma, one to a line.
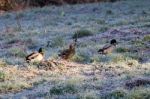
(17,79)
(99,74)
(21,4)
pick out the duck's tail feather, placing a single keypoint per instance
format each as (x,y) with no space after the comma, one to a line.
(100,51)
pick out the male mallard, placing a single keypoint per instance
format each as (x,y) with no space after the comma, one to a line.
(108,48)
(36,56)
(70,52)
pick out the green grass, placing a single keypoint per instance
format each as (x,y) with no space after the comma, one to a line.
(104,28)
(68,88)
(11,87)
(109,12)
(146,38)
(88,95)
(2,76)
(99,21)
(78,58)
(117,94)
(82,57)
(17,52)
(39,82)
(82,33)
(118,58)
(3,63)
(57,42)
(121,50)
(137,93)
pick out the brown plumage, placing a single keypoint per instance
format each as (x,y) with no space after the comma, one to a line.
(70,52)
(35,56)
(108,48)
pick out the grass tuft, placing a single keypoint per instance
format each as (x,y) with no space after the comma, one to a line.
(117,94)
(2,76)
(139,93)
(17,52)
(82,33)
(118,58)
(59,90)
(2,63)
(57,41)
(11,87)
(109,12)
(147,38)
(104,28)
(121,50)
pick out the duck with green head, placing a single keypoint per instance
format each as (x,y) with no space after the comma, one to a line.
(108,48)
(35,56)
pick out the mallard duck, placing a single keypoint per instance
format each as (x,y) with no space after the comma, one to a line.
(108,48)
(35,56)
(70,52)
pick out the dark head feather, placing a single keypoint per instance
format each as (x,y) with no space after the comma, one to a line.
(41,50)
(113,42)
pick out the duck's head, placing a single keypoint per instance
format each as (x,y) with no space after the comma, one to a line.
(113,42)
(41,50)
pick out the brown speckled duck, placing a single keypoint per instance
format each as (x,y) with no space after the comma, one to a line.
(70,52)
(108,48)
(35,56)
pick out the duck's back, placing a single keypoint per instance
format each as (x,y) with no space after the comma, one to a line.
(66,54)
(34,57)
(108,49)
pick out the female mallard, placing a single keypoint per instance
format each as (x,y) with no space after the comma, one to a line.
(108,48)
(68,53)
(35,56)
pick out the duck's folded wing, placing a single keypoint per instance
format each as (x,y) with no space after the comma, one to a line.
(106,47)
(64,52)
(32,55)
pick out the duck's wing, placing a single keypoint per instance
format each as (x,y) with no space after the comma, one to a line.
(106,47)
(32,55)
(64,52)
